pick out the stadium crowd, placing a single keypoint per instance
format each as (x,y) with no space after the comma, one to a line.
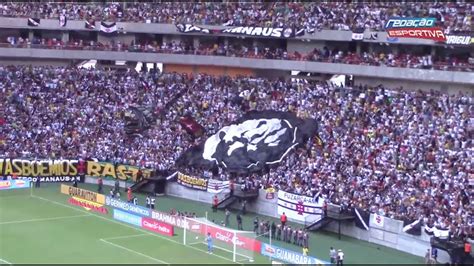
(329,55)
(399,153)
(308,15)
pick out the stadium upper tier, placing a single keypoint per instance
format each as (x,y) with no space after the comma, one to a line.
(401,154)
(327,55)
(307,15)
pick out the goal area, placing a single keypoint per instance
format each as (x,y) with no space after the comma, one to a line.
(240,246)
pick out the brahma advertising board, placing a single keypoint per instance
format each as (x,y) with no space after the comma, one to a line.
(173,220)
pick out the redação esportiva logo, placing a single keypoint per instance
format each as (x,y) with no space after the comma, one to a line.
(420,28)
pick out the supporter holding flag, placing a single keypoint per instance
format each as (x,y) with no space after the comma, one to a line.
(239,222)
(148,202)
(152,203)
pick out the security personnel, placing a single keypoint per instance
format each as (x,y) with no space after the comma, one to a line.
(148,201)
(152,203)
(100,183)
(255,224)
(295,236)
(278,232)
(288,234)
(300,237)
(273,228)
(305,238)
(239,222)
(135,201)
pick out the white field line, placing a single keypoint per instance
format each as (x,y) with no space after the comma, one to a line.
(2,261)
(123,237)
(133,251)
(15,196)
(129,226)
(44,219)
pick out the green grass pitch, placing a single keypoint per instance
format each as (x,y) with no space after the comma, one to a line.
(39,226)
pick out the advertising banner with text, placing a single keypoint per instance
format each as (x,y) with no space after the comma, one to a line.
(13,184)
(45,170)
(192,182)
(68,170)
(83,194)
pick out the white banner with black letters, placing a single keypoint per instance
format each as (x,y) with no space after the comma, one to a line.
(299,207)
(278,32)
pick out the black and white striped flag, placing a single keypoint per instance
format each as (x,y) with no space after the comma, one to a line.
(34,22)
(89,24)
(412,227)
(362,219)
(62,20)
(108,28)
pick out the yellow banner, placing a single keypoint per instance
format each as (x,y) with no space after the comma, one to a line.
(120,171)
(83,194)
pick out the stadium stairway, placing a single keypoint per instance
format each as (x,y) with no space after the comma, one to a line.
(331,215)
(154,184)
(228,199)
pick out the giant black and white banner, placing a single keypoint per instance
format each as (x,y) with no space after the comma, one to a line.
(216,186)
(299,207)
(257,140)
(108,28)
(278,32)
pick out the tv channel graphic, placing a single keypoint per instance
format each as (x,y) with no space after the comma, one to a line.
(14,184)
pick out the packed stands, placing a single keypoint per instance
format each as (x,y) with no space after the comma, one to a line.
(327,55)
(391,151)
(308,15)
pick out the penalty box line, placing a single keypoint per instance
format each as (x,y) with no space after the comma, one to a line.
(2,261)
(133,251)
(129,226)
